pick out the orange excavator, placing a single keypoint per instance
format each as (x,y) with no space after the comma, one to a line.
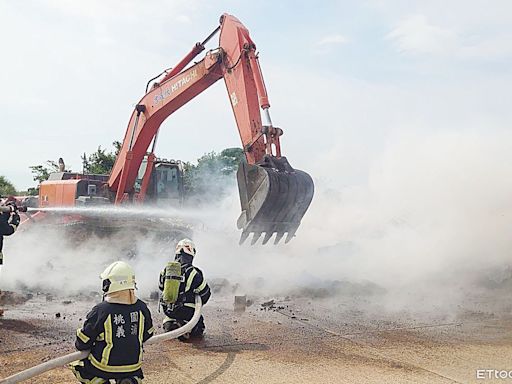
(274,196)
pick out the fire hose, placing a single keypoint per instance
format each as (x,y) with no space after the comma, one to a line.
(12,208)
(66,359)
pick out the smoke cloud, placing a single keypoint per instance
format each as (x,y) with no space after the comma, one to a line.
(429,225)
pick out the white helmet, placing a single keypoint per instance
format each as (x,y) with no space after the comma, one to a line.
(118,276)
(187,246)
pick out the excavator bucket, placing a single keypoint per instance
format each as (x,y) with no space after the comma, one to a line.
(274,198)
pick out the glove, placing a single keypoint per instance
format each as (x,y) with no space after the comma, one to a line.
(15,219)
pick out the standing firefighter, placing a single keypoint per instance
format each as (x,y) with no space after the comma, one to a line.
(9,221)
(179,282)
(114,331)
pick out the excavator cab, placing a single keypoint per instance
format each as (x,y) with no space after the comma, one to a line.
(168,182)
(274,198)
(165,184)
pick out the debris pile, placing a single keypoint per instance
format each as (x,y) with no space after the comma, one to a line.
(221,285)
(270,306)
(12,298)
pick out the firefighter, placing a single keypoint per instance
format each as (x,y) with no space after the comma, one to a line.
(9,222)
(192,283)
(114,331)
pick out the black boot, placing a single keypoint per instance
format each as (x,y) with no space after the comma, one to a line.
(198,331)
(171,325)
(175,324)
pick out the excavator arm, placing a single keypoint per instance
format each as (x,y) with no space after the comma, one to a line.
(273,195)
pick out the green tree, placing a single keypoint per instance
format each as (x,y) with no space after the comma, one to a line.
(42,172)
(211,177)
(99,162)
(208,179)
(6,187)
(231,157)
(33,191)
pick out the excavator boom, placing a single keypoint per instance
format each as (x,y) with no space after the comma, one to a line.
(273,195)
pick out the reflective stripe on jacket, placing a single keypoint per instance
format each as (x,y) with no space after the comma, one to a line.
(114,333)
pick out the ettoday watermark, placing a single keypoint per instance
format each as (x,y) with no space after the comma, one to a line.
(493,374)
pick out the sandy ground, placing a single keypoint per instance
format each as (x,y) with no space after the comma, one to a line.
(300,340)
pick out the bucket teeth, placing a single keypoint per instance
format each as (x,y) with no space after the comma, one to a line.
(255,237)
(278,238)
(289,236)
(243,237)
(267,237)
(274,197)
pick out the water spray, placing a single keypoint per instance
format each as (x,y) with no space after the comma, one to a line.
(116,211)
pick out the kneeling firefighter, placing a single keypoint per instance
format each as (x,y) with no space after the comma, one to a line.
(114,331)
(179,282)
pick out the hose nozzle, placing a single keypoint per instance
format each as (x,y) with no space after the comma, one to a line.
(12,208)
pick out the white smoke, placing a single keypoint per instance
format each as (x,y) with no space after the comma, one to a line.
(432,220)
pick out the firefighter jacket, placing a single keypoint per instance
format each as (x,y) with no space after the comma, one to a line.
(194,284)
(6,229)
(114,334)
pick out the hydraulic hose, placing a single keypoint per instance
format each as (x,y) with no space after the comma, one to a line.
(66,359)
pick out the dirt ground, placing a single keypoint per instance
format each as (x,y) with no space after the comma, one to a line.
(296,340)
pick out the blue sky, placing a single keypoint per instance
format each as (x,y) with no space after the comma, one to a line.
(346,79)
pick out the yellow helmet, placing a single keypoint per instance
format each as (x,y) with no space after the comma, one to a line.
(187,246)
(118,276)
